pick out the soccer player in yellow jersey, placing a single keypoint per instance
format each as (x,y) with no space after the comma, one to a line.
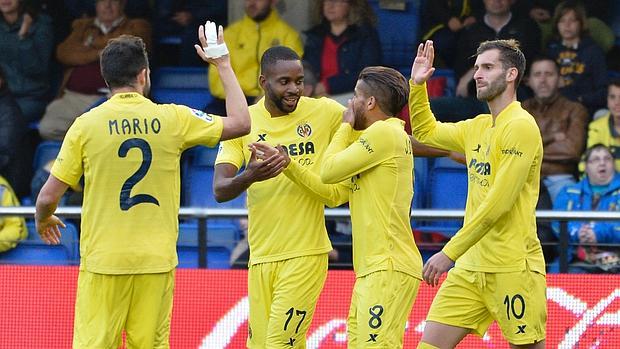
(378,166)
(500,271)
(128,150)
(286,233)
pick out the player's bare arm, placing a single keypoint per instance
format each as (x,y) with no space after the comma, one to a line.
(237,123)
(48,225)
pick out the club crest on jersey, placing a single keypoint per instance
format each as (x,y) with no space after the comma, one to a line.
(201,115)
(304,130)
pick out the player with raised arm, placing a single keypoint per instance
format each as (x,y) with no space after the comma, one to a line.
(128,150)
(500,271)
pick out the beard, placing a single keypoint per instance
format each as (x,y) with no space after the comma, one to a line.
(493,89)
(278,101)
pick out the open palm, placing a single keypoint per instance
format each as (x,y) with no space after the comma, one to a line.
(422,67)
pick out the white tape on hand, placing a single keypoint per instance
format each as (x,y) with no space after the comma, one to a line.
(213,49)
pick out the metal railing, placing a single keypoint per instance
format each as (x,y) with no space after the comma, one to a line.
(203,214)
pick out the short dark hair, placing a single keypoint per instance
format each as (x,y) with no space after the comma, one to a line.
(509,54)
(614,82)
(388,86)
(122,59)
(544,58)
(590,150)
(275,54)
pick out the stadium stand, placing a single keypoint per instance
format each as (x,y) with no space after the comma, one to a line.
(45,152)
(33,251)
(181,85)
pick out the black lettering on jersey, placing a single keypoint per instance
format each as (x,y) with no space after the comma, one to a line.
(373,337)
(483,168)
(520,329)
(261,137)
(300,148)
(291,342)
(512,151)
(366,145)
(134,126)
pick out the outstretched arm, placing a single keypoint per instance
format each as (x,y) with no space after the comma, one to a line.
(237,123)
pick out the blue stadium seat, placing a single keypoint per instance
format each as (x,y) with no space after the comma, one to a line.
(450,75)
(46,151)
(420,182)
(191,97)
(221,239)
(448,190)
(34,251)
(197,180)
(217,257)
(181,85)
(181,77)
(219,233)
(398,33)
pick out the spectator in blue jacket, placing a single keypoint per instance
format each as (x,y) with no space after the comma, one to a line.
(339,47)
(26,44)
(599,190)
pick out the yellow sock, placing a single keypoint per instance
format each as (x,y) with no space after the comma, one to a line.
(424,345)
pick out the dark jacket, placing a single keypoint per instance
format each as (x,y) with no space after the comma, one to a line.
(525,30)
(583,71)
(26,61)
(360,49)
(12,129)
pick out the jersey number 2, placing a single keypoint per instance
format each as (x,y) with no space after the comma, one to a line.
(126,200)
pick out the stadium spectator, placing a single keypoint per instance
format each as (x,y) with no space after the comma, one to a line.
(13,159)
(181,18)
(26,43)
(583,70)
(562,125)
(83,84)
(443,21)
(286,233)
(606,129)
(496,22)
(599,190)
(504,152)
(377,164)
(129,220)
(12,229)
(339,47)
(260,29)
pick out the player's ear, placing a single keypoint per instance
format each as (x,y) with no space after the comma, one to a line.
(142,75)
(371,103)
(262,81)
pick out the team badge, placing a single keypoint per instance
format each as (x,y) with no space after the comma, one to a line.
(304,130)
(201,115)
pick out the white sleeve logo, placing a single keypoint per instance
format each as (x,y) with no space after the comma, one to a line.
(201,115)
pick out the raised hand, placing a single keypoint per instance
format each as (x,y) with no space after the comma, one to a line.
(422,67)
(200,49)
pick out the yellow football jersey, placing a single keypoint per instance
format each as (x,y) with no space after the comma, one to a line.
(284,219)
(128,150)
(379,169)
(602,130)
(503,166)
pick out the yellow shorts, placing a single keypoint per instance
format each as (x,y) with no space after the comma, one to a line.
(140,304)
(516,300)
(282,297)
(380,306)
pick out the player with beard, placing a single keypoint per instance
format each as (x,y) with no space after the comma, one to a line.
(378,166)
(500,271)
(286,233)
(128,150)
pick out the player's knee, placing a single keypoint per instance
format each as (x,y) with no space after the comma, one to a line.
(424,345)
